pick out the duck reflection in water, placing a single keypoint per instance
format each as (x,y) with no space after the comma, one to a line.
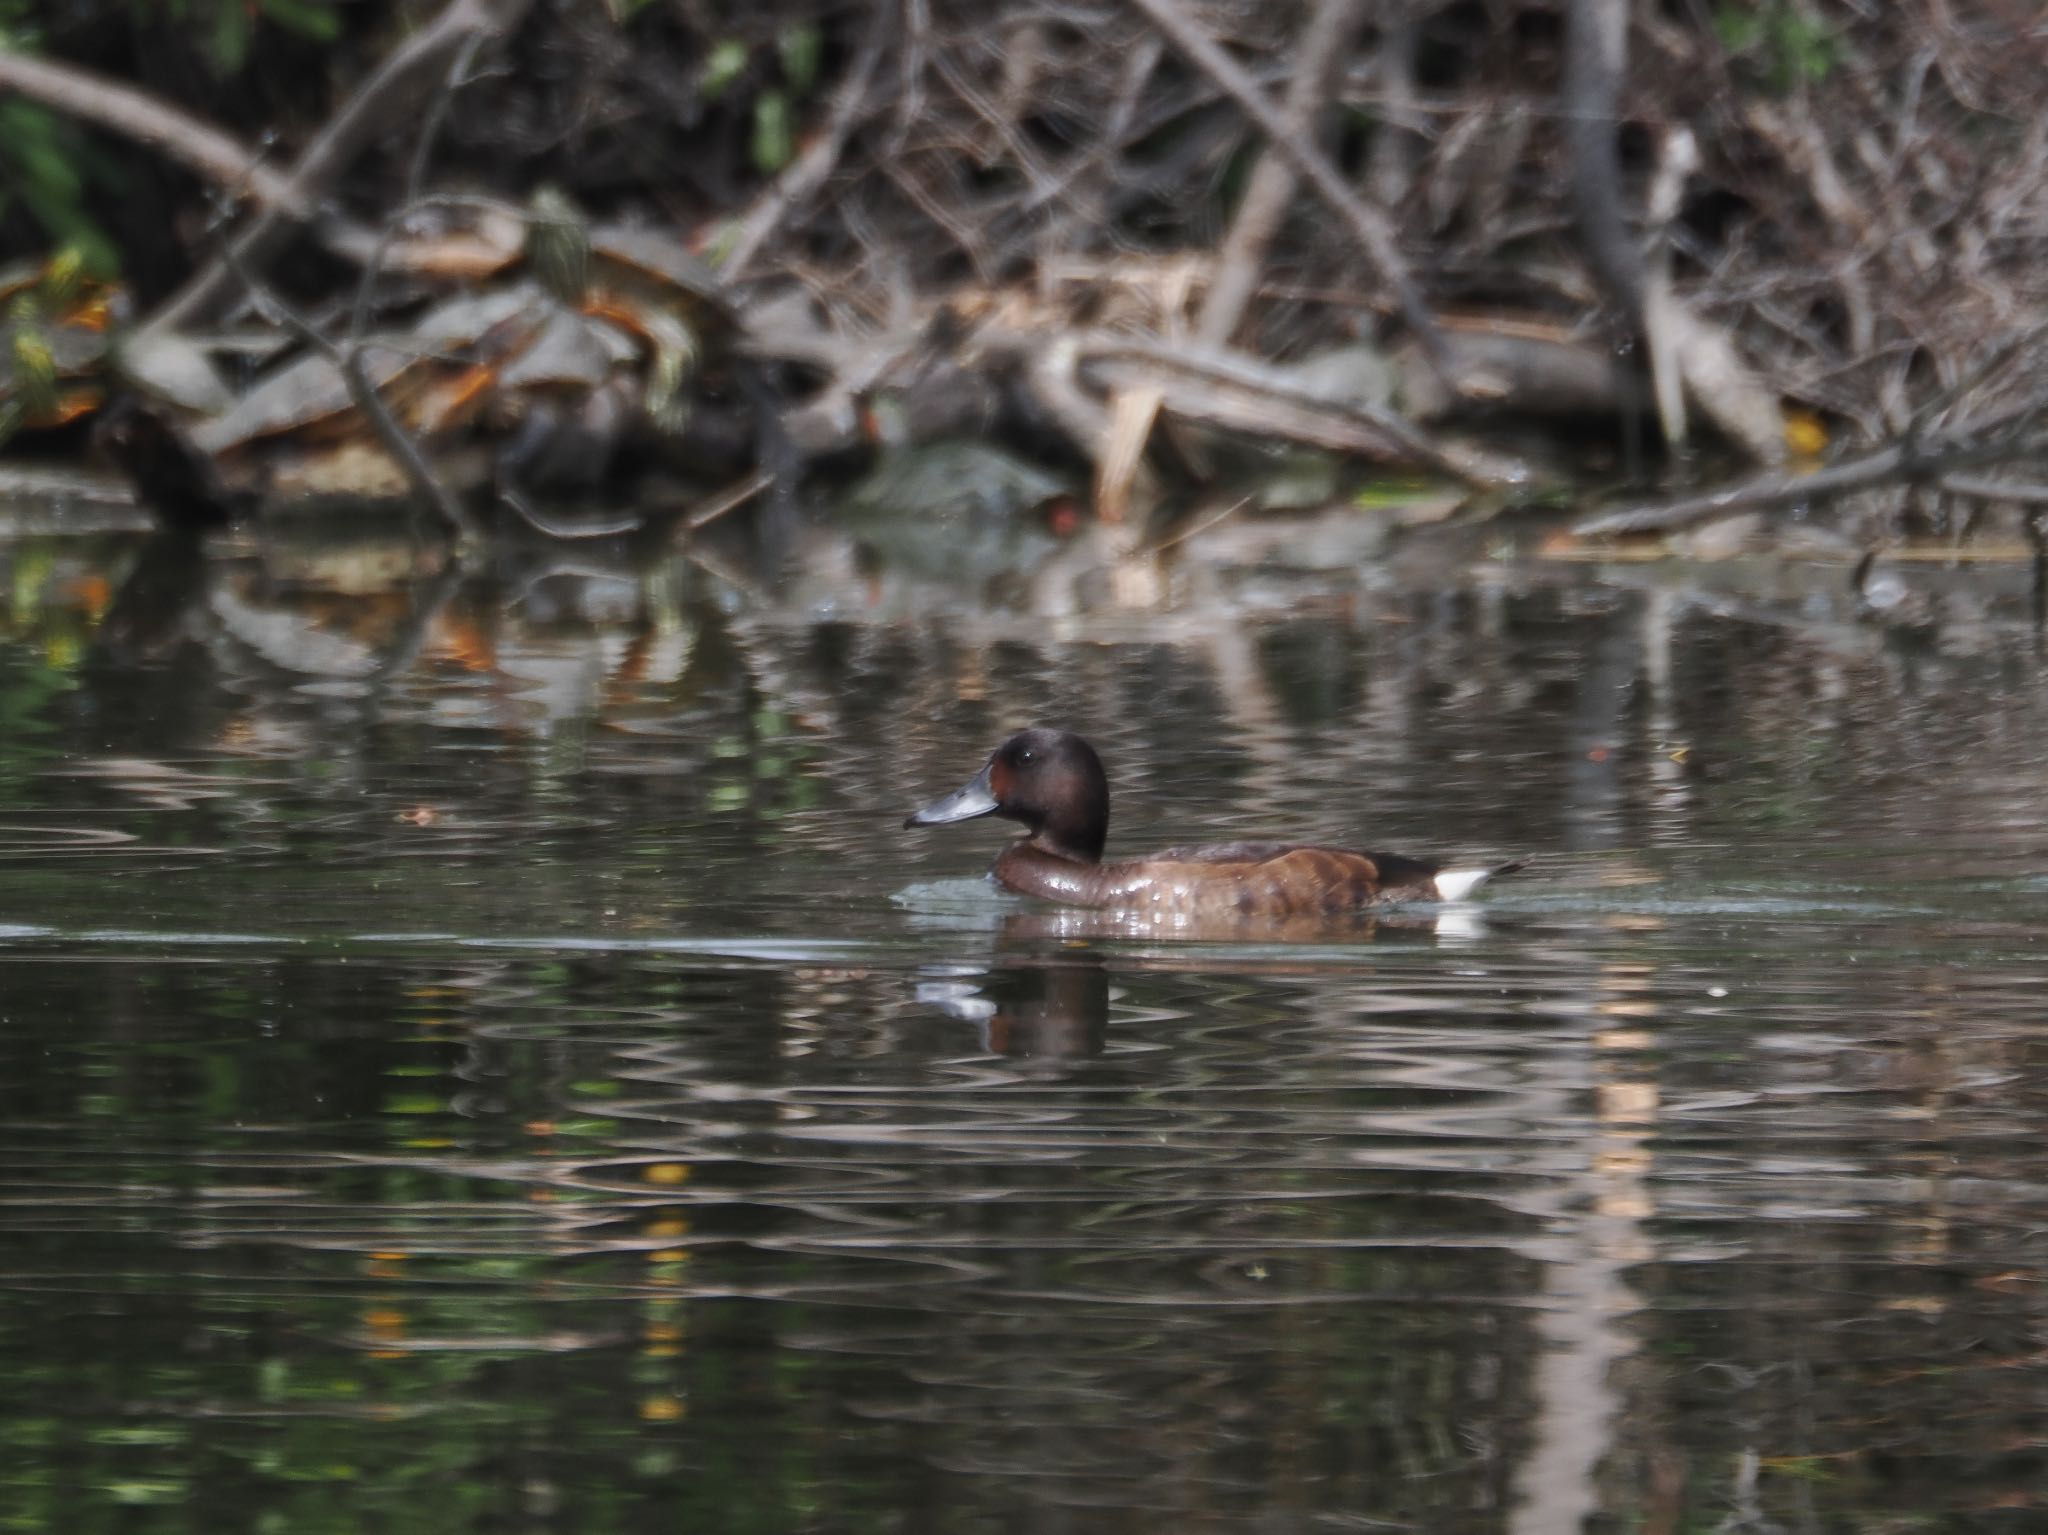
(1051,1009)
(1040,1002)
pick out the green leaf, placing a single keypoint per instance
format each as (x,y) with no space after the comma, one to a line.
(802,47)
(1740,30)
(724,65)
(774,138)
(308,18)
(228,48)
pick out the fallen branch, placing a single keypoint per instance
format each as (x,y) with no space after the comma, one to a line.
(412,70)
(216,156)
(1895,464)
(1249,395)
(198,146)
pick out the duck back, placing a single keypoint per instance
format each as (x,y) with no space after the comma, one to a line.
(1252,879)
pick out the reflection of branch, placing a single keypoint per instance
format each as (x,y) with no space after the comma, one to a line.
(416,66)
(412,635)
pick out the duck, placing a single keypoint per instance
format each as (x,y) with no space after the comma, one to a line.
(1053,784)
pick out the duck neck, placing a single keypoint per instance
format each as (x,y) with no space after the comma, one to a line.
(1076,844)
(1079,824)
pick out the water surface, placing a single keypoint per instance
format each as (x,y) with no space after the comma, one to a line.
(488,1058)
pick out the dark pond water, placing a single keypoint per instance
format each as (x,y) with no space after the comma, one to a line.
(489,1060)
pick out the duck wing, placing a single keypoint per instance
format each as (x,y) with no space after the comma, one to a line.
(1392,869)
(1226,852)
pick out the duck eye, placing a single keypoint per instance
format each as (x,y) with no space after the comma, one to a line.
(1026,755)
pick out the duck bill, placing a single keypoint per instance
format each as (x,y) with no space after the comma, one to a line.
(973,798)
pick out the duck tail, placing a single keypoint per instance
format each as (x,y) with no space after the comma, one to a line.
(1456,884)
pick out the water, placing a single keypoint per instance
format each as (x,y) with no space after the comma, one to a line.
(495,1062)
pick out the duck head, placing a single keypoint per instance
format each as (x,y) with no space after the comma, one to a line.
(1049,781)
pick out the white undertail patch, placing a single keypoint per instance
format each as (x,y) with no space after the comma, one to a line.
(1456,884)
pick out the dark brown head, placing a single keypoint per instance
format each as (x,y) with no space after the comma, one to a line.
(1049,780)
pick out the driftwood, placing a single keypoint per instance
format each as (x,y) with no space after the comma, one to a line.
(1229,389)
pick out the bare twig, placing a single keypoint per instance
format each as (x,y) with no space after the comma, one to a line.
(394,438)
(415,183)
(1895,464)
(199,146)
(1366,222)
(415,67)
(810,170)
(232,167)
(1195,529)
(1318,61)
(550,527)
(726,501)
(1982,371)
(2016,492)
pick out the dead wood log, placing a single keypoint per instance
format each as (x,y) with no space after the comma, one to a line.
(1233,390)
